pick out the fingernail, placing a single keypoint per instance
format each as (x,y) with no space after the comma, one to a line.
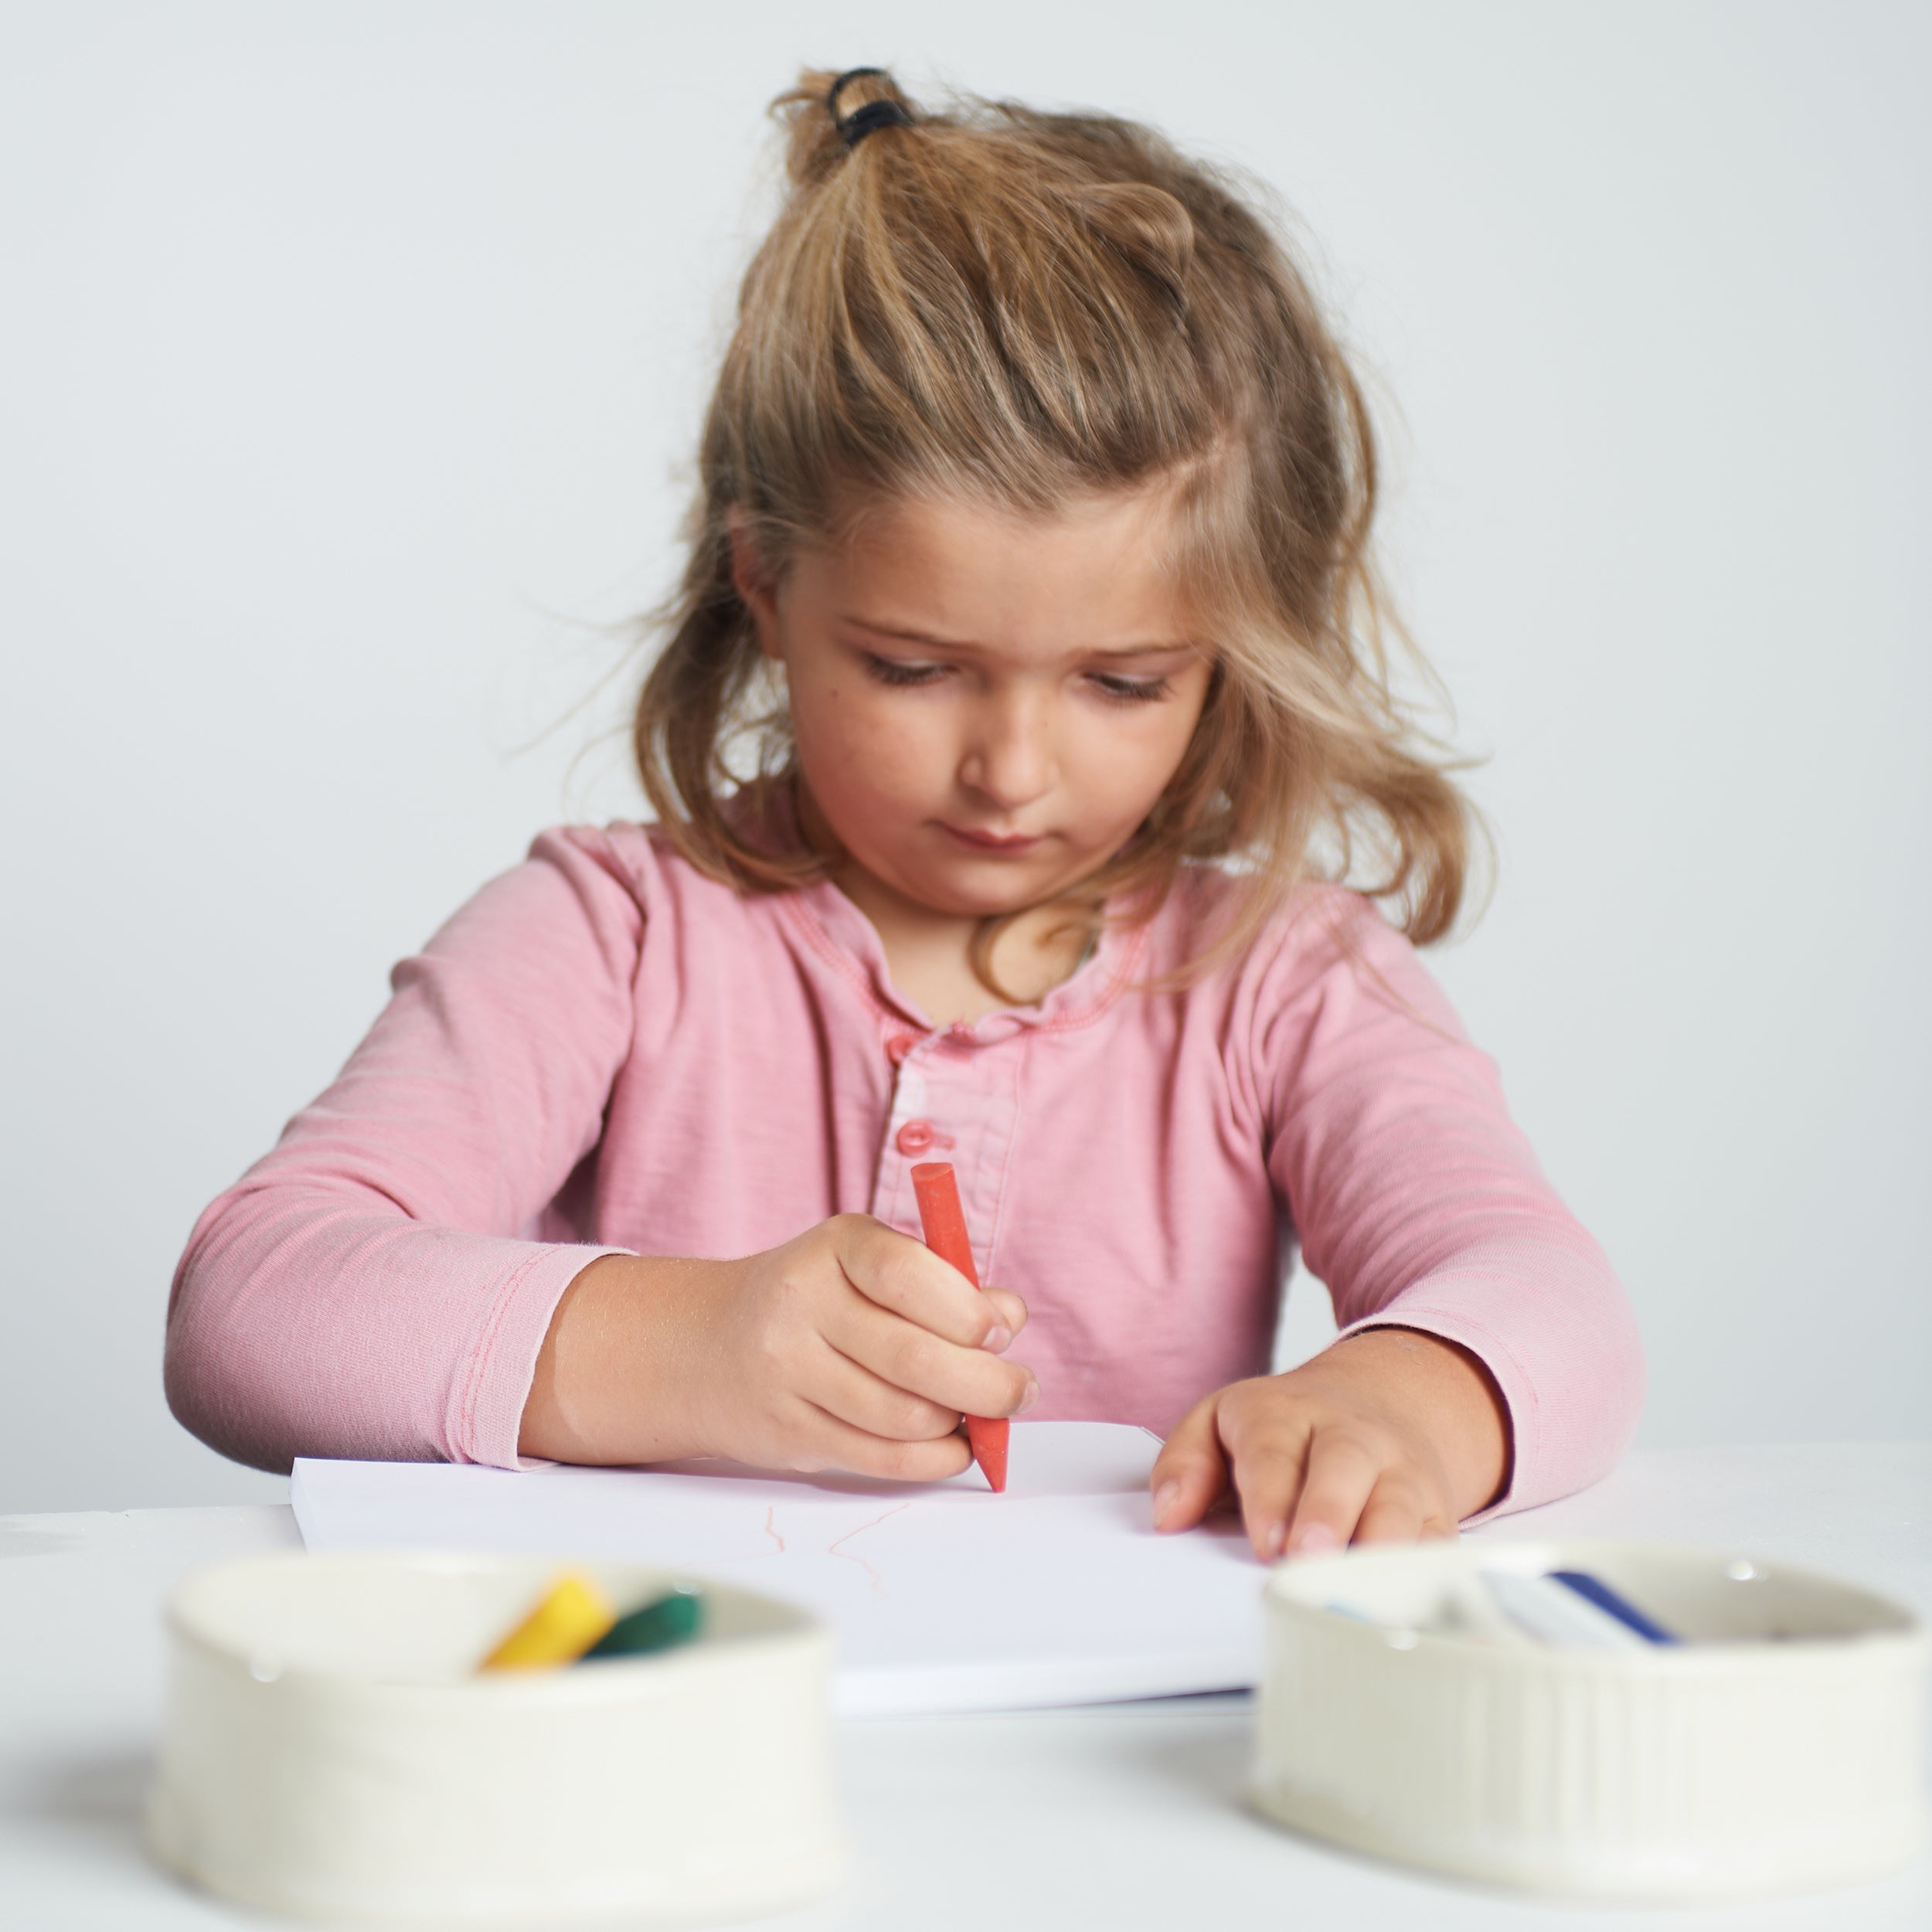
(1313,1538)
(999,1338)
(1028,1399)
(1164,1500)
(1273,1535)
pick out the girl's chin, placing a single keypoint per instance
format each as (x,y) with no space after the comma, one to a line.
(960,888)
(958,903)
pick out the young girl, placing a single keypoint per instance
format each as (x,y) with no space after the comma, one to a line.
(1024,691)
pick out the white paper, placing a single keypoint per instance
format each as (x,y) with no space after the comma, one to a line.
(943,1596)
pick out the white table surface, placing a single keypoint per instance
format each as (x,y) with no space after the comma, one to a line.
(1122,1816)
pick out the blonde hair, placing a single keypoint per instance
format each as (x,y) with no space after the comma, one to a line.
(1024,308)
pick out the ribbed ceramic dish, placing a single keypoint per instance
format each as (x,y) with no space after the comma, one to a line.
(329,1751)
(1780,1748)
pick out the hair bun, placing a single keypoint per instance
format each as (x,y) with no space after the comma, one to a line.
(829,115)
(888,110)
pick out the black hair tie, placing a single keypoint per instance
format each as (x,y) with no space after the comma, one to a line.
(874,114)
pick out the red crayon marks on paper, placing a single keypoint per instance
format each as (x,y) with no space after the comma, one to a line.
(833,1549)
(944,1222)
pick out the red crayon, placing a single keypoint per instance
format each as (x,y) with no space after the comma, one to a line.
(944,1222)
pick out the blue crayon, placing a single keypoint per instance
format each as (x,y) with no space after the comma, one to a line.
(1594,1589)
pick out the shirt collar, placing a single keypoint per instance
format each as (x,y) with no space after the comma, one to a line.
(848,941)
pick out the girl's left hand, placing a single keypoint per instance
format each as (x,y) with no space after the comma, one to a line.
(1389,1435)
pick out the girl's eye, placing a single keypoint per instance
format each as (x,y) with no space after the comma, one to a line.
(1131,690)
(1122,690)
(890,671)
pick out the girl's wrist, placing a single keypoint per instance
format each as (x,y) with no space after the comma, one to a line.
(1446,1391)
(613,1380)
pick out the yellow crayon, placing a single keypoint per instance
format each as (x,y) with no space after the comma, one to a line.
(571,1616)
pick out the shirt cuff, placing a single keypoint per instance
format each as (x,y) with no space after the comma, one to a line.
(490,1396)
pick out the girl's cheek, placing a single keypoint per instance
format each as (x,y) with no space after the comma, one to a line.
(863,761)
(894,748)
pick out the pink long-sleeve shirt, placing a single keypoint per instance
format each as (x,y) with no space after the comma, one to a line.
(605,1051)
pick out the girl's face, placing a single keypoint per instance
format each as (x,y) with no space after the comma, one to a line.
(986,706)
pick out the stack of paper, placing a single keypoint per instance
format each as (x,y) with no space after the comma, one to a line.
(943,1596)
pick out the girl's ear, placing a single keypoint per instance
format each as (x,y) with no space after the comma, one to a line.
(750,579)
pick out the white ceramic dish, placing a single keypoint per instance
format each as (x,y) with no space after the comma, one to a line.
(1781,1747)
(329,1751)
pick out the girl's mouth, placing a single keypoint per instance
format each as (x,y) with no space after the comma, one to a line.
(987,842)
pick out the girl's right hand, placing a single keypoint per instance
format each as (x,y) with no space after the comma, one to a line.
(851,1347)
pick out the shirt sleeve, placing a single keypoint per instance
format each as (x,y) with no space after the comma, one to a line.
(1419,1203)
(370,1289)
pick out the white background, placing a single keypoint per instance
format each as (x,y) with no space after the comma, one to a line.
(351,358)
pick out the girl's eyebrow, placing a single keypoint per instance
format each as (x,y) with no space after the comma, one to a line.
(1157,649)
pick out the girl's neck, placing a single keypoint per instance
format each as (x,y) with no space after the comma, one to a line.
(929,954)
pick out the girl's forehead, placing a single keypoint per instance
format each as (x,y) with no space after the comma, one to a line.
(953,569)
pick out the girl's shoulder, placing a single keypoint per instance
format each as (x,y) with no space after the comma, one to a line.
(644,861)
(629,885)
(661,865)
(1325,965)
(1316,929)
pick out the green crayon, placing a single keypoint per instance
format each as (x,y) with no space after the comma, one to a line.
(662,1625)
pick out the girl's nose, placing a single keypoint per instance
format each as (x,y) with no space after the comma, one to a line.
(1009,759)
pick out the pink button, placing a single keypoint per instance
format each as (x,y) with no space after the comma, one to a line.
(899,1046)
(916,1137)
